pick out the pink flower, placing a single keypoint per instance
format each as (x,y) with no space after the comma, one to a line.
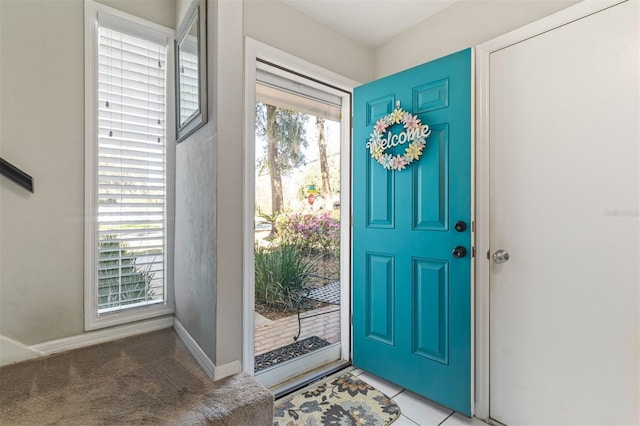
(411,122)
(381,125)
(399,162)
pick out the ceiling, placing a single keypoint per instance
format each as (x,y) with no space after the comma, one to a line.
(371,22)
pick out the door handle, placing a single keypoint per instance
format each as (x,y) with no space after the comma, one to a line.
(459,252)
(460,226)
(500,256)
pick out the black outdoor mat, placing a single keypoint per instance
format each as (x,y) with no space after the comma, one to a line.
(329,293)
(285,353)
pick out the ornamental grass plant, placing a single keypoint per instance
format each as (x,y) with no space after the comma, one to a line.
(280,274)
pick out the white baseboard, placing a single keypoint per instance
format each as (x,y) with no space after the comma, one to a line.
(113,333)
(213,371)
(12,351)
(228,369)
(101,336)
(195,349)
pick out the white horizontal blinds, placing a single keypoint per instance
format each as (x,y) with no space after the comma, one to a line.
(189,91)
(131,171)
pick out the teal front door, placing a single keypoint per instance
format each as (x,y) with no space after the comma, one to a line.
(412,230)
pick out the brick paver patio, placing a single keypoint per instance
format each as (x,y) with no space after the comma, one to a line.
(278,333)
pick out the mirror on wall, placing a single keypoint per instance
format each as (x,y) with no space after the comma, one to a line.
(191,71)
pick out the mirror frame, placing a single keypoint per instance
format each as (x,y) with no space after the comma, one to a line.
(197,9)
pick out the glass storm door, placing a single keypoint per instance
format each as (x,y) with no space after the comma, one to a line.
(299,276)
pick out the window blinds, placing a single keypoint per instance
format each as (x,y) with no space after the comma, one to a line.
(273,89)
(131,171)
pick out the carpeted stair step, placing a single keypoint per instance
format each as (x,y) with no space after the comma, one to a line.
(146,379)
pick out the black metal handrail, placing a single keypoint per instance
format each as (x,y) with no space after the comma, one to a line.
(15,174)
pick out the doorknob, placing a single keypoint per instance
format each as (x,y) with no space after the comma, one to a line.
(460,226)
(459,251)
(500,256)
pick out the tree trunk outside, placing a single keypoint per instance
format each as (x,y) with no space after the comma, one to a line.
(324,164)
(272,160)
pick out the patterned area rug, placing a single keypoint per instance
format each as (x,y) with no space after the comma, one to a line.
(345,400)
(288,352)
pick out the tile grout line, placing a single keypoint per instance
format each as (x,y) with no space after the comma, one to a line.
(399,392)
(446,418)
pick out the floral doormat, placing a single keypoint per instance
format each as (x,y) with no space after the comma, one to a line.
(345,400)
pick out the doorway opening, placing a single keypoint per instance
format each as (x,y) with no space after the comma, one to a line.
(297,217)
(298,277)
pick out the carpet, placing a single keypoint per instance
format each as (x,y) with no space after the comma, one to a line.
(285,353)
(146,379)
(342,400)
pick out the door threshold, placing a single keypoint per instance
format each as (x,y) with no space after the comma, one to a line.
(298,382)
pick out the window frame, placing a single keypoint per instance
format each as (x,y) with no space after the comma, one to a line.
(138,27)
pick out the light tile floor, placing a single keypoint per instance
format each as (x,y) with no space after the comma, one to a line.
(414,409)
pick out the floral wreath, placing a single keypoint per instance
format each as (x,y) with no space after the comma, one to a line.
(414,133)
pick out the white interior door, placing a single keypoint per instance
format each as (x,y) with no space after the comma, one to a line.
(564,202)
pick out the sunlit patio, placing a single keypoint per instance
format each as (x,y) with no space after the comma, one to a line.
(322,322)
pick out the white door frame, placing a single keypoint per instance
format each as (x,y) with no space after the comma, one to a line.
(483,53)
(255,50)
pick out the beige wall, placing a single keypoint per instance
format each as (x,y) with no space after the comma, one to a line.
(159,11)
(283,27)
(181,9)
(42,132)
(466,23)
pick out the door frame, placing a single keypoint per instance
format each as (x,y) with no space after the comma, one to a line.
(482,185)
(256,52)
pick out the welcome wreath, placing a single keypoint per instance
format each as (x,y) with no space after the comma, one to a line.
(414,133)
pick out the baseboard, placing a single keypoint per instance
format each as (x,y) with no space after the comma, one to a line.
(213,371)
(197,352)
(228,369)
(102,336)
(12,351)
(113,333)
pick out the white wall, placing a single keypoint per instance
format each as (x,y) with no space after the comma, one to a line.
(42,132)
(466,23)
(283,27)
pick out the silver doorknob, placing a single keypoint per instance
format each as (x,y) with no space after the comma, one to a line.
(500,256)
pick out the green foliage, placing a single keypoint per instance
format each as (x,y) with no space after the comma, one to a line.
(311,232)
(280,273)
(287,128)
(312,176)
(120,280)
(267,218)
